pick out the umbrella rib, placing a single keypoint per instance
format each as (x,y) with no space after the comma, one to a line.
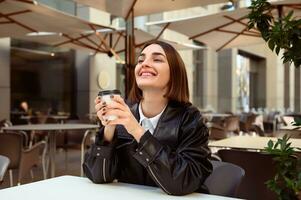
(8,22)
(213,29)
(236,20)
(100,37)
(163,29)
(232,39)
(105,44)
(71,40)
(18,23)
(17,13)
(235,32)
(79,43)
(130,10)
(156,38)
(98,45)
(116,42)
(26,1)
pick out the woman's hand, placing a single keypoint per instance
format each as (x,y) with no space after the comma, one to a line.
(101,107)
(124,117)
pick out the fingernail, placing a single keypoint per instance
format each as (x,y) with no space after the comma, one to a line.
(111,96)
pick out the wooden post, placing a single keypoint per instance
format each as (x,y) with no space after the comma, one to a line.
(129,53)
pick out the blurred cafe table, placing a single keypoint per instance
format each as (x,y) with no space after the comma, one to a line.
(79,188)
(292,131)
(60,118)
(52,130)
(210,116)
(249,142)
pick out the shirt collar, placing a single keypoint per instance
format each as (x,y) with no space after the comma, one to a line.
(154,120)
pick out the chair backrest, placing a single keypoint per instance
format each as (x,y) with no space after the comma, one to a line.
(224,179)
(4,162)
(231,123)
(217,133)
(259,168)
(11,145)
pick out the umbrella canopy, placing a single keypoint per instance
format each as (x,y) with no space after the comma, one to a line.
(122,8)
(105,41)
(225,29)
(20,17)
(128,9)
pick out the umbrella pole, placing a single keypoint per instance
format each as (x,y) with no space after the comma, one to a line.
(129,53)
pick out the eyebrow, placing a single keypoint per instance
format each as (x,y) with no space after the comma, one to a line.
(154,53)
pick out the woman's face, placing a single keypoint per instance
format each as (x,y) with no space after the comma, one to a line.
(152,70)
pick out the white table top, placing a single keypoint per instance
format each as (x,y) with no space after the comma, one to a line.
(79,188)
(50,127)
(215,115)
(51,116)
(290,128)
(249,142)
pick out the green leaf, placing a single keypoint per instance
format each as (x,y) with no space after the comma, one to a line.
(271,44)
(277,50)
(289,16)
(270,144)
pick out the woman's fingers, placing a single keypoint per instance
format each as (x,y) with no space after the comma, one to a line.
(116,112)
(101,116)
(97,100)
(100,105)
(116,105)
(120,100)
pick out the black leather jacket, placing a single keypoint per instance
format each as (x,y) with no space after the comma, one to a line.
(174,158)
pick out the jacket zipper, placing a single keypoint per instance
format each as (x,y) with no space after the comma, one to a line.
(104,170)
(152,173)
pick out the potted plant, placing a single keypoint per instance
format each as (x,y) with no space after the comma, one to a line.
(287,181)
(280,31)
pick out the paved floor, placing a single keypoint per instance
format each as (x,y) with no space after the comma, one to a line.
(72,167)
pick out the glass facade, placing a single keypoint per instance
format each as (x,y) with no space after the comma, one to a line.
(243,83)
(42,78)
(67,6)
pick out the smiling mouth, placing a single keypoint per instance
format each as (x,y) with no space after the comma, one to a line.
(147,74)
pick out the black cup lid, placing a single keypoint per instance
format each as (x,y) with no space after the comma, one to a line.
(107,92)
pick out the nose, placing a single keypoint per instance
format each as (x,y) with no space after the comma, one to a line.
(145,63)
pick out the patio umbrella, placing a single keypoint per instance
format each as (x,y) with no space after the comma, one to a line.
(21,17)
(103,41)
(122,8)
(128,9)
(225,29)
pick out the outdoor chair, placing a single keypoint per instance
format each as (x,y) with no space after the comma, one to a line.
(21,157)
(4,123)
(259,168)
(246,122)
(224,179)
(231,124)
(4,162)
(217,132)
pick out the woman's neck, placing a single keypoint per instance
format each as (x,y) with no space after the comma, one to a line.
(153,103)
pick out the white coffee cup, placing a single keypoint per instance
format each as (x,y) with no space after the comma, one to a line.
(106,97)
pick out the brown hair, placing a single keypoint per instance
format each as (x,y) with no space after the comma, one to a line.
(178,83)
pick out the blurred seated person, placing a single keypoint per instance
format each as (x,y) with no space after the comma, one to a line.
(21,109)
(25,108)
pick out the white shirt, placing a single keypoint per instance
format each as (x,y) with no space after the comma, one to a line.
(149,123)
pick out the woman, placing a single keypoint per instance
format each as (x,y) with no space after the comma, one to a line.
(172,152)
